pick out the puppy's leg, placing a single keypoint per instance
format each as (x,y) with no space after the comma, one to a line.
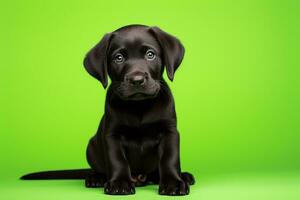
(171,182)
(94,154)
(119,180)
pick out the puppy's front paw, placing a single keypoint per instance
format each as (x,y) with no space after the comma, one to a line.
(119,187)
(174,188)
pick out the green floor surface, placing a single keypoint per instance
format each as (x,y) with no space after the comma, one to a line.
(217,187)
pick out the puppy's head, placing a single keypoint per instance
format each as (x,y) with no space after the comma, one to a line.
(134,58)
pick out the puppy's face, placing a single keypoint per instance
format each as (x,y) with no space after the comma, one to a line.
(134,58)
(135,63)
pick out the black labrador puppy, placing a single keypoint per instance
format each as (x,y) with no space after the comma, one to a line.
(137,142)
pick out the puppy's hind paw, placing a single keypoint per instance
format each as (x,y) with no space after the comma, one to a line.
(188,178)
(178,188)
(119,188)
(94,182)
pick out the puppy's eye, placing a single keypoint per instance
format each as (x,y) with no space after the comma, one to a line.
(119,58)
(150,55)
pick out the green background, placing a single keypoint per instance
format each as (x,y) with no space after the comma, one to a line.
(237,93)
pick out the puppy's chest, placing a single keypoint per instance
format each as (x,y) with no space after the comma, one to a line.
(140,139)
(140,117)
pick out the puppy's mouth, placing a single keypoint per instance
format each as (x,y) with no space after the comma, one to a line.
(139,94)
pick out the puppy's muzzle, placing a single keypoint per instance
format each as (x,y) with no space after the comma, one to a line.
(138,85)
(137,79)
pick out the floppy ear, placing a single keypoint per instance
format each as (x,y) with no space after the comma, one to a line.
(173,50)
(95,62)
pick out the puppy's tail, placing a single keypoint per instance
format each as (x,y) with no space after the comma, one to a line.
(58,174)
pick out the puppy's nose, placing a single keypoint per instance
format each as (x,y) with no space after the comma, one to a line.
(137,80)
